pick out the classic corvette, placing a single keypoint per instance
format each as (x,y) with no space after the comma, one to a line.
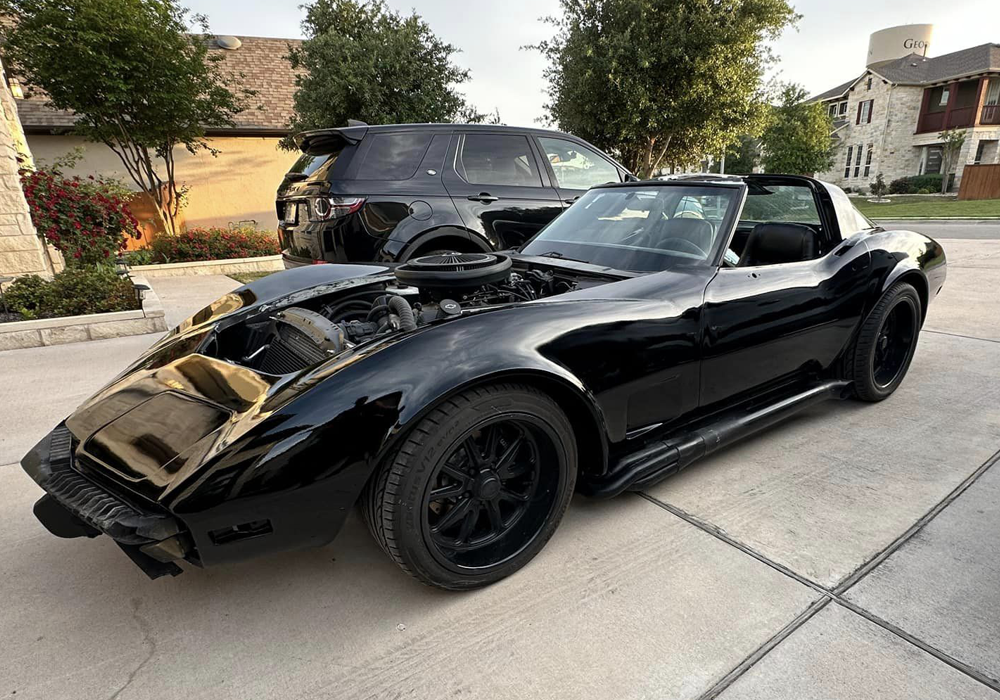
(461,399)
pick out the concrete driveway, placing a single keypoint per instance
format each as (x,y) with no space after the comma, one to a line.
(850,553)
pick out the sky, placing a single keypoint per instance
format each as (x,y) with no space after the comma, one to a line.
(827,47)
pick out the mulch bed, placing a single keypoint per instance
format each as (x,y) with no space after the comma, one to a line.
(5,317)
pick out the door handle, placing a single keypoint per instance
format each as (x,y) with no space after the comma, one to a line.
(484,197)
(570,200)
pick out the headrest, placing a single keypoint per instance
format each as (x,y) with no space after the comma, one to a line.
(773,242)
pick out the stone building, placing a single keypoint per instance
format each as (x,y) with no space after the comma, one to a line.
(888,119)
(237,186)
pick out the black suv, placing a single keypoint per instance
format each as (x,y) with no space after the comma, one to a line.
(388,193)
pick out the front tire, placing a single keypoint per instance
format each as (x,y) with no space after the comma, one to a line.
(476,489)
(886,343)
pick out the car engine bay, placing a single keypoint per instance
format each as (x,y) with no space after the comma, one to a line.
(425,290)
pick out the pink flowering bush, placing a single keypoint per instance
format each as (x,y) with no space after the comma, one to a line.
(214,244)
(86,220)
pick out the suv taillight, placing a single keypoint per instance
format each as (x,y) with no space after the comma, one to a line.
(326,208)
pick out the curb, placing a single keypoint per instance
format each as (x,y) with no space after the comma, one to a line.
(271,263)
(43,332)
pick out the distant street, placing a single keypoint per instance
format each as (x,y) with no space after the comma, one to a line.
(968,229)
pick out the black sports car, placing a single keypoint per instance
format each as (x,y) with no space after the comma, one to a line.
(461,399)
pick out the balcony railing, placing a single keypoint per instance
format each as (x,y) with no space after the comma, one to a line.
(990,115)
(960,117)
(930,121)
(957,118)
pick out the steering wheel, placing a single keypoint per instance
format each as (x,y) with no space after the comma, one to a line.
(684,243)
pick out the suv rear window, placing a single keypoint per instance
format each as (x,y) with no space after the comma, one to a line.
(394,156)
(316,167)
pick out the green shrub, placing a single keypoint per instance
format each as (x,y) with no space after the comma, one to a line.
(923,190)
(214,244)
(915,183)
(143,256)
(72,292)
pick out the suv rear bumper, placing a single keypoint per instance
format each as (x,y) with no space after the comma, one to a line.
(291,261)
(75,506)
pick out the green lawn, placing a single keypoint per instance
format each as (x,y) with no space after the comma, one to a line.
(928,208)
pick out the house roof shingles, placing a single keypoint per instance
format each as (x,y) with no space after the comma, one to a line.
(918,70)
(265,67)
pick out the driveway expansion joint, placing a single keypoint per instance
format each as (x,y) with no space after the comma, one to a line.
(880,557)
(943,657)
(764,649)
(836,595)
(959,335)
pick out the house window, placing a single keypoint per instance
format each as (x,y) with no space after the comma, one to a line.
(857,162)
(865,112)
(992,93)
(843,108)
(847,168)
(833,110)
(869,83)
(868,159)
(979,153)
(943,99)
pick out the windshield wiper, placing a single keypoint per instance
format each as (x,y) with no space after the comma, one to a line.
(557,254)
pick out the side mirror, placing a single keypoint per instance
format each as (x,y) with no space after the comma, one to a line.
(629,177)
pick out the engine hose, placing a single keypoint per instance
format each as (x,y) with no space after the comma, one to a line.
(377,310)
(402,309)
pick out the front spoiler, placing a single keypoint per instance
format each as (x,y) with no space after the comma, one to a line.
(75,506)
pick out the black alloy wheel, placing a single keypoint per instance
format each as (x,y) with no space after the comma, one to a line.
(488,498)
(886,344)
(893,344)
(477,488)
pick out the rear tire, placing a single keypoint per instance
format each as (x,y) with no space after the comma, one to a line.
(885,345)
(476,489)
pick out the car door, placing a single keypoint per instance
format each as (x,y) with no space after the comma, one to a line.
(767,324)
(499,187)
(575,168)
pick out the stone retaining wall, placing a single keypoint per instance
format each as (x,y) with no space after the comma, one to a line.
(271,263)
(74,329)
(21,250)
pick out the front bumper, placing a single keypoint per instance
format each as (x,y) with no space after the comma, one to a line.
(75,506)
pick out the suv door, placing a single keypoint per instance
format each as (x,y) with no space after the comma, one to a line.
(499,188)
(575,168)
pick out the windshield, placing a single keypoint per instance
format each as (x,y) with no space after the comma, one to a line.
(640,229)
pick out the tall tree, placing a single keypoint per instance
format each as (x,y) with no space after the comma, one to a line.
(661,81)
(364,61)
(136,80)
(796,139)
(743,156)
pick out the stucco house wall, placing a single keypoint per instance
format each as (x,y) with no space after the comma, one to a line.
(236,185)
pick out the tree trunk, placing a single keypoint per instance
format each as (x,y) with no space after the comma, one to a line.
(945,166)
